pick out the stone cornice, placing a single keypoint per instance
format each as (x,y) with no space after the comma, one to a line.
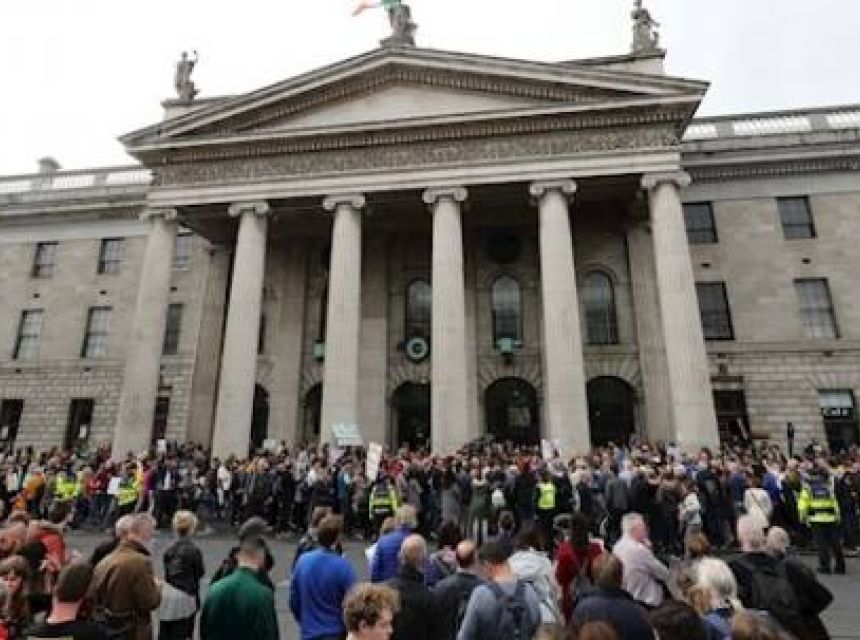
(673,115)
(775,169)
(428,154)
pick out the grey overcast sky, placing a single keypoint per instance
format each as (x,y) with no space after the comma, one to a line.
(75,74)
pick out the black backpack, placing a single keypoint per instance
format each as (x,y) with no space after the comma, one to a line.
(773,592)
(513,619)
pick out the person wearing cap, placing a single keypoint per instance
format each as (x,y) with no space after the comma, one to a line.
(239,606)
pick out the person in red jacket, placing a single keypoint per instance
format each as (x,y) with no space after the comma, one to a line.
(574,564)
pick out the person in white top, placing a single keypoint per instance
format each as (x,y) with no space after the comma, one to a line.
(757,501)
(644,575)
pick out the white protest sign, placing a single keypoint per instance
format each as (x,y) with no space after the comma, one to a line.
(374,457)
(113,485)
(546,449)
(161,445)
(347,435)
(270,445)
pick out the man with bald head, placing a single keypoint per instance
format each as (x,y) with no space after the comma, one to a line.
(453,593)
(418,617)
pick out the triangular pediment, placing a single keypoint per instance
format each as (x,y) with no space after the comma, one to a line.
(405,87)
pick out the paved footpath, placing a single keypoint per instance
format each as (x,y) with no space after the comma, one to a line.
(842,618)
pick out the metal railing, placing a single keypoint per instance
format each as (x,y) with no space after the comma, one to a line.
(82,179)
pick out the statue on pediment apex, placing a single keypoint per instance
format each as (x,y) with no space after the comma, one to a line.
(185,88)
(646,38)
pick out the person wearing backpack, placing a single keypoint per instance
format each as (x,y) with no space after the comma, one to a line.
(819,508)
(574,569)
(503,608)
(763,583)
(453,593)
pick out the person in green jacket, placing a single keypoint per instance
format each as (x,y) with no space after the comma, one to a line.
(239,606)
(818,507)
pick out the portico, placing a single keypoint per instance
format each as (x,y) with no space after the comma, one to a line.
(406,165)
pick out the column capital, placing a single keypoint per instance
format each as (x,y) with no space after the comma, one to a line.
(540,188)
(167,214)
(432,195)
(354,200)
(679,179)
(256,207)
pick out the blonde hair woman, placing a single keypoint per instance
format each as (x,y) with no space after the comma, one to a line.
(183,569)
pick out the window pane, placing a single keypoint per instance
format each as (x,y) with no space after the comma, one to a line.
(110,256)
(419,295)
(172,330)
(95,339)
(699,220)
(507,310)
(29,332)
(796,218)
(44,259)
(714,309)
(599,301)
(182,251)
(816,308)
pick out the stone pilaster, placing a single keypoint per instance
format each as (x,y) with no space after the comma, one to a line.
(286,347)
(204,388)
(649,330)
(692,404)
(343,323)
(143,357)
(565,402)
(373,377)
(239,358)
(449,420)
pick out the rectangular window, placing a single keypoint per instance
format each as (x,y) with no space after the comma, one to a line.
(29,334)
(96,336)
(44,260)
(816,308)
(182,251)
(699,220)
(110,256)
(796,218)
(159,419)
(732,419)
(714,309)
(10,420)
(172,330)
(80,423)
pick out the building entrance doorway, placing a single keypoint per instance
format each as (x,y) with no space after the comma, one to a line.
(260,418)
(511,410)
(611,410)
(411,403)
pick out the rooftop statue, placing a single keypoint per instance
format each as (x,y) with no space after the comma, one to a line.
(400,17)
(646,39)
(185,88)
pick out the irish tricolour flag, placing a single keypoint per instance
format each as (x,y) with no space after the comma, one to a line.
(374,4)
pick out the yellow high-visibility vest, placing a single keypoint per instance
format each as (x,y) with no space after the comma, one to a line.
(546,496)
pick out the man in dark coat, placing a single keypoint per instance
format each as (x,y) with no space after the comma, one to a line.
(609,603)
(418,616)
(452,593)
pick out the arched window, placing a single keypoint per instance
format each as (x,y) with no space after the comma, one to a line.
(507,310)
(418,309)
(600,323)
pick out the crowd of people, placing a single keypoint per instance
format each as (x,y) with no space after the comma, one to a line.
(495,541)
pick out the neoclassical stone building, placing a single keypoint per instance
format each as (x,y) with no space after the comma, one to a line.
(434,246)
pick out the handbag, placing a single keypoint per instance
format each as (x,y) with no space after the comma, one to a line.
(175,604)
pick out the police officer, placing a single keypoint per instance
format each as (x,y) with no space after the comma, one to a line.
(383,502)
(818,507)
(546,506)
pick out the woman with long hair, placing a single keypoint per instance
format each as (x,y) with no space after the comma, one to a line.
(574,559)
(183,569)
(16,613)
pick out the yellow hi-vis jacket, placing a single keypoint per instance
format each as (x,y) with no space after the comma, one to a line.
(66,489)
(546,496)
(817,502)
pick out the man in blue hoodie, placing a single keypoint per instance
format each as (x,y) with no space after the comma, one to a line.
(321,579)
(384,564)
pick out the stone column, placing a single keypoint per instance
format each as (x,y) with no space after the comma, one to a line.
(649,330)
(449,408)
(692,404)
(143,356)
(373,376)
(343,320)
(235,406)
(565,403)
